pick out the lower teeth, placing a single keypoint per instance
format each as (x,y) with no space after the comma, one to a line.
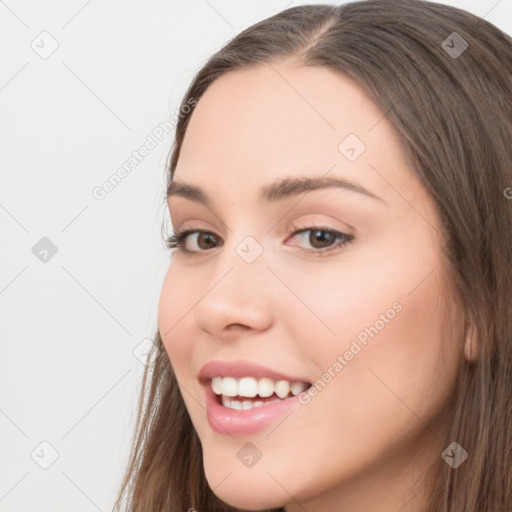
(247,404)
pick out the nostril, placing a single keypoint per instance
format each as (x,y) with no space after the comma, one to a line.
(236,327)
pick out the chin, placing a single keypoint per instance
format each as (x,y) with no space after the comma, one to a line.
(245,489)
(250,498)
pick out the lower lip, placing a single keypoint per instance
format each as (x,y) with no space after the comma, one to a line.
(236,422)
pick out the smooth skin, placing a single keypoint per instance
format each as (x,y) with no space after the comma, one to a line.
(368,436)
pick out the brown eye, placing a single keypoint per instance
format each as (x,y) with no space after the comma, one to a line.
(205,240)
(322,240)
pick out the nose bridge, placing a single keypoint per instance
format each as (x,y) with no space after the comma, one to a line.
(243,265)
(238,291)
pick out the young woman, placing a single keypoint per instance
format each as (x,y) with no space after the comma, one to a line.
(335,328)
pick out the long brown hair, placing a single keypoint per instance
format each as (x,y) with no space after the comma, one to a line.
(449,98)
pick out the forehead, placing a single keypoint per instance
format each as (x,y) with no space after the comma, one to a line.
(256,125)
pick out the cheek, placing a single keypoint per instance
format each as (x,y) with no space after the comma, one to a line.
(177,297)
(397,368)
(386,297)
(376,333)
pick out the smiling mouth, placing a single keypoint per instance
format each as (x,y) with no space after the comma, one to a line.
(248,392)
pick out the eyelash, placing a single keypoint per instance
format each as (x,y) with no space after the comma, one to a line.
(177,240)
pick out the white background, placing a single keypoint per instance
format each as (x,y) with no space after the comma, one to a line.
(69,326)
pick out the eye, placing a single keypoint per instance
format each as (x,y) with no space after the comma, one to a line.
(321,239)
(179,239)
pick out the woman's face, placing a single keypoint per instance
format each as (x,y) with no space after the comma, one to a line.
(361,320)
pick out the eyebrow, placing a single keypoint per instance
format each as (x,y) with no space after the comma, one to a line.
(272,192)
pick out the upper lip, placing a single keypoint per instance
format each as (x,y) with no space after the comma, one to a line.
(242,368)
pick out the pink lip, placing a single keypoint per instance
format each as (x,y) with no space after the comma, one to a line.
(247,421)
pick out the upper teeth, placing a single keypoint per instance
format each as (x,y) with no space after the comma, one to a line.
(250,387)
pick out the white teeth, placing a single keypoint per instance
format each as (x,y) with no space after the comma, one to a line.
(229,386)
(298,387)
(282,388)
(265,387)
(217,385)
(246,404)
(248,386)
(236,404)
(251,387)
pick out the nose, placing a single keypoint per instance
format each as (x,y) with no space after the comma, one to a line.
(237,298)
